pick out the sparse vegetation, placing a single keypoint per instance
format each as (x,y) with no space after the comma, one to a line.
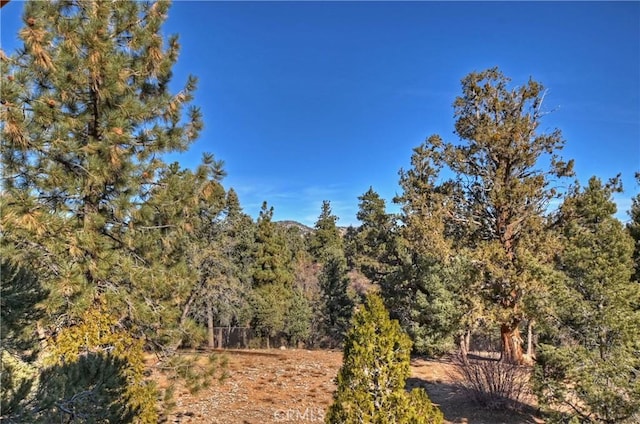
(494,384)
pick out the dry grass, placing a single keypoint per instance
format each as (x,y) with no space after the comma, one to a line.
(296,386)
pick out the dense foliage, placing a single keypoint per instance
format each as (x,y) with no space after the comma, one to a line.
(591,362)
(89,209)
(110,253)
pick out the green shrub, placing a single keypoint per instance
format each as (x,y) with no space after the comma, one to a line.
(371,382)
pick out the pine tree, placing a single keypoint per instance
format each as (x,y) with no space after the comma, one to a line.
(87,203)
(20,296)
(272,258)
(326,235)
(591,365)
(270,303)
(241,229)
(424,291)
(374,240)
(86,115)
(220,296)
(297,320)
(371,381)
(279,308)
(178,208)
(336,306)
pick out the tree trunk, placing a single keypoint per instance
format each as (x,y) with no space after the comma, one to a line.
(220,338)
(529,357)
(210,326)
(187,308)
(530,325)
(464,345)
(511,344)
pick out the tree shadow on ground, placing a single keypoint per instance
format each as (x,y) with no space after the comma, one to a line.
(92,389)
(459,408)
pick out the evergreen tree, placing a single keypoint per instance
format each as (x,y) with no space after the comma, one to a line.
(371,381)
(351,247)
(87,202)
(420,292)
(216,243)
(492,211)
(272,258)
(20,296)
(336,306)
(19,311)
(270,303)
(333,304)
(297,320)
(241,229)
(178,208)
(591,365)
(279,308)
(326,235)
(306,282)
(374,240)
(86,115)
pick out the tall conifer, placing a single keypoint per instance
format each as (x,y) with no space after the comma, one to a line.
(591,367)
(88,204)
(87,115)
(492,210)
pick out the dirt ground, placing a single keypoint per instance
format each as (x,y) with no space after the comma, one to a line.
(296,386)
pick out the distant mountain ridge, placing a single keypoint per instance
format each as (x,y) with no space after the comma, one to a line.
(305,229)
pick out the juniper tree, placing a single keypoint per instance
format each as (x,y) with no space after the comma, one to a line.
(507,167)
(493,210)
(590,368)
(371,381)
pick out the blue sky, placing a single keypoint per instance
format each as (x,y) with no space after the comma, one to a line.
(313,101)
